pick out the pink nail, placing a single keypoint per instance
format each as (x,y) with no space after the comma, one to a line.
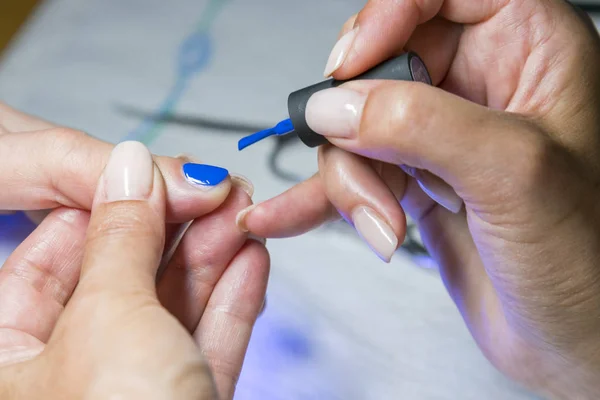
(439,191)
(340,52)
(376,232)
(335,112)
(129,173)
(434,187)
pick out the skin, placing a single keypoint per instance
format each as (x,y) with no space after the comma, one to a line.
(81,291)
(512,126)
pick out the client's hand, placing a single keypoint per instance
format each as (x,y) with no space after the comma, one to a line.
(94,342)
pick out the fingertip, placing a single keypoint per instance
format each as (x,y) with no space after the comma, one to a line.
(187,197)
(384,28)
(244,183)
(294,212)
(241,219)
(340,52)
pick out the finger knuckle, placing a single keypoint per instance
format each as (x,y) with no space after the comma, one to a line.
(65,137)
(126,220)
(65,145)
(392,112)
(530,160)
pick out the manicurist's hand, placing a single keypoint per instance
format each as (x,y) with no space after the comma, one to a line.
(205,299)
(499,165)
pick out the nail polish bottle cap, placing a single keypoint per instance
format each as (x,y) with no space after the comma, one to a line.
(407,67)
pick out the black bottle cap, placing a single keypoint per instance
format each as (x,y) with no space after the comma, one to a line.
(407,67)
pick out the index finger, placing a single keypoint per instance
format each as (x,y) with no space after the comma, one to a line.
(17,121)
(384,26)
(126,233)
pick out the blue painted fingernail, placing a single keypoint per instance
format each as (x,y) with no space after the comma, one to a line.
(203,175)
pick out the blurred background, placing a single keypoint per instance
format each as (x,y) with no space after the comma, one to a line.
(194,76)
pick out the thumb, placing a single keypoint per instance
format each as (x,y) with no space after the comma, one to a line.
(115,319)
(126,234)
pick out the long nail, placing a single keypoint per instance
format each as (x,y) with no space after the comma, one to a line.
(204,176)
(436,188)
(340,52)
(244,183)
(129,173)
(376,232)
(240,219)
(439,191)
(335,112)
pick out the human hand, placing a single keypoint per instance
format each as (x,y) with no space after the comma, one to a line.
(39,277)
(117,334)
(45,166)
(513,129)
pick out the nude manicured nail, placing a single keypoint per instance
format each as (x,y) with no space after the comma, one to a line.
(376,232)
(441,193)
(335,112)
(129,173)
(436,188)
(340,52)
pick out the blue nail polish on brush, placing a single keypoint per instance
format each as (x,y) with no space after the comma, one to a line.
(203,174)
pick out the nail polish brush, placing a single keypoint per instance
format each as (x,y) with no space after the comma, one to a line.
(407,67)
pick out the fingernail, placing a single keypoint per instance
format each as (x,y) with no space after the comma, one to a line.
(204,176)
(376,232)
(129,173)
(244,183)
(435,187)
(240,219)
(335,112)
(439,191)
(339,52)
